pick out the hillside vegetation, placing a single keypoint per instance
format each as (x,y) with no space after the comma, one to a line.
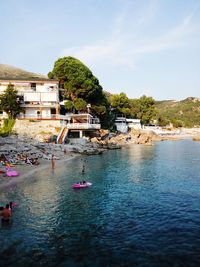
(184,113)
(8,72)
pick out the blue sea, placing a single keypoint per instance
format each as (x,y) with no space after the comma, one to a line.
(143,209)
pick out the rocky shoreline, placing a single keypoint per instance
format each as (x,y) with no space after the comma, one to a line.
(15,145)
(17,149)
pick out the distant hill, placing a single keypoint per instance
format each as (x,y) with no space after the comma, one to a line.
(186,111)
(8,72)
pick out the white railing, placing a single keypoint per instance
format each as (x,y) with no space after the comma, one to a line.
(38,104)
(33,116)
(87,125)
(83,126)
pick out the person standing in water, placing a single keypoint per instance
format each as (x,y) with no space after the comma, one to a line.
(6,214)
(52,161)
(83,169)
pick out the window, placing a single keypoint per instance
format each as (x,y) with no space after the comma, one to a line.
(38,114)
(33,86)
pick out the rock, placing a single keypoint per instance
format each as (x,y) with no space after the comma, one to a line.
(196,138)
(103,133)
(112,145)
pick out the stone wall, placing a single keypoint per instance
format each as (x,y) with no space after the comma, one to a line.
(37,129)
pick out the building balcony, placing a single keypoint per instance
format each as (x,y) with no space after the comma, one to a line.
(82,125)
(71,126)
(38,117)
(35,96)
(38,104)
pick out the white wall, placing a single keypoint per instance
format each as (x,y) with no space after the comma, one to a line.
(31,97)
(43,97)
(49,97)
(134,125)
(46,112)
(122,127)
(32,112)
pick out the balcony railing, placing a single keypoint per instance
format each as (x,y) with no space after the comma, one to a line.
(83,126)
(38,104)
(35,96)
(38,116)
(90,124)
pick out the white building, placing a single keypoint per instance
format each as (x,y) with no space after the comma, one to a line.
(78,126)
(38,97)
(121,124)
(134,123)
(124,124)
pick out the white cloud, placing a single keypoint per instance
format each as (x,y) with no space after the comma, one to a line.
(124,47)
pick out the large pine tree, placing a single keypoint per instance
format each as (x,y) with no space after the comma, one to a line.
(78,82)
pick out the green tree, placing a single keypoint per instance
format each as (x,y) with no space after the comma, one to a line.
(68,105)
(177,123)
(120,103)
(134,107)
(143,109)
(78,81)
(162,120)
(80,104)
(9,102)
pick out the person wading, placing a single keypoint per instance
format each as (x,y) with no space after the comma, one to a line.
(53,162)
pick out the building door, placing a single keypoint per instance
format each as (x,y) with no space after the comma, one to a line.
(53,113)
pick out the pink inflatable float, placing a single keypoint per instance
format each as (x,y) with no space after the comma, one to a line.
(81,185)
(11,173)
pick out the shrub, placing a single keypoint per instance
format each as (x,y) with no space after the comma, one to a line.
(7,127)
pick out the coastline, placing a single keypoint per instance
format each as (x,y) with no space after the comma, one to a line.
(26,171)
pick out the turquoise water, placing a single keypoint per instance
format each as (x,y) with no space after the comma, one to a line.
(143,209)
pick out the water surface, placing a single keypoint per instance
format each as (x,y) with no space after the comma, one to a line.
(143,209)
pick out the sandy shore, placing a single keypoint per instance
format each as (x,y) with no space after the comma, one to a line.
(27,171)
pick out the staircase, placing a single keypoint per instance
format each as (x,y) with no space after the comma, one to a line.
(62,135)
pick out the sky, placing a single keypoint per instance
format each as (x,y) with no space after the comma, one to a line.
(139,47)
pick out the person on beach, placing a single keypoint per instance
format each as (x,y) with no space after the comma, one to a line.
(27,161)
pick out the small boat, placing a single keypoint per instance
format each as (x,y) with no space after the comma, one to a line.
(81,185)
